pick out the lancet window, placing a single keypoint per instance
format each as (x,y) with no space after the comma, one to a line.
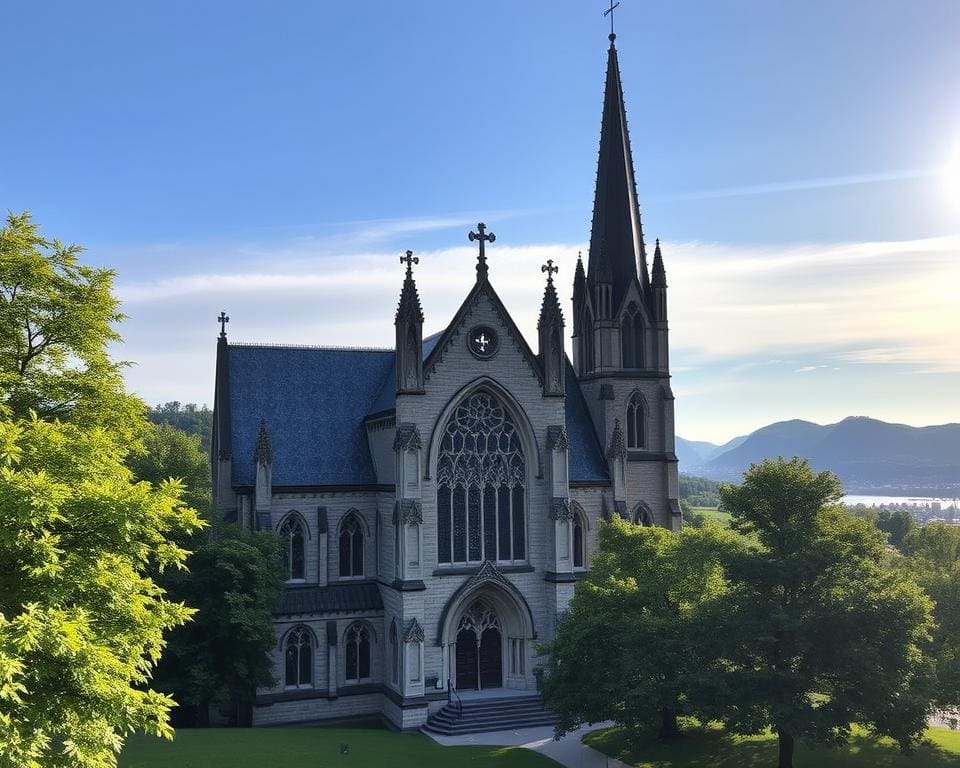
(637,421)
(291,534)
(358,653)
(351,547)
(631,337)
(480,485)
(299,659)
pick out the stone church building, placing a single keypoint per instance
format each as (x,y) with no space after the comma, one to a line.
(438,501)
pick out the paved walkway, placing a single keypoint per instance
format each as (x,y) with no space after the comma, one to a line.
(569,751)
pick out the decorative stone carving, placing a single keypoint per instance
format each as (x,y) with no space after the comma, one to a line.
(408,438)
(408,511)
(412,631)
(263,454)
(618,446)
(557,438)
(560,509)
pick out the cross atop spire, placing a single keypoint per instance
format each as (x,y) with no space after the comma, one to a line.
(410,260)
(483,237)
(550,270)
(223,320)
(609,12)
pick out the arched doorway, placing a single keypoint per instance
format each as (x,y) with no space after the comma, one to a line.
(479,652)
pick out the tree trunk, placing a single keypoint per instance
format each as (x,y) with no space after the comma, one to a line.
(668,724)
(785,741)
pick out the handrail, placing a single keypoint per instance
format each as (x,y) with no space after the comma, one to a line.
(453,690)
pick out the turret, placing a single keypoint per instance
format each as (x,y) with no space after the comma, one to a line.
(409,329)
(550,330)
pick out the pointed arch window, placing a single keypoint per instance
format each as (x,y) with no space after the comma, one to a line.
(589,363)
(394,653)
(358,653)
(481,474)
(292,536)
(298,668)
(631,337)
(637,421)
(579,540)
(351,546)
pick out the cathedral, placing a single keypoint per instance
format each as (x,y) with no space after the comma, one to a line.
(437,501)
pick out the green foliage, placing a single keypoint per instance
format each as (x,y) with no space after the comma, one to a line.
(715,748)
(817,633)
(623,652)
(898,524)
(933,559)
(235,581)
(689,517)
(169,453)
(187,418)
(81,621)
(699,491)
(56,320)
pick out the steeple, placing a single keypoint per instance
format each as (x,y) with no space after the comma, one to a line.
(409,324)
(658,289)
(616,236)
(550,331)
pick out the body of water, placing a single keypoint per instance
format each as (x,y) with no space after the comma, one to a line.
(876,501)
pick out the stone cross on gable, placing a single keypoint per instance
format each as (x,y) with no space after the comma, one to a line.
(483,237)
(223,320)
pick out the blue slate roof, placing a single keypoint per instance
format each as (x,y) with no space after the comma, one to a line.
(314,401)
(586,454)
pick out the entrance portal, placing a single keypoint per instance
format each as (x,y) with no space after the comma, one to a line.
(479,652)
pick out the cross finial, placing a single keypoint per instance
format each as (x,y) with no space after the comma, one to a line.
(550,270)
(223,320)
(609,12)
(484,237)
(410,260)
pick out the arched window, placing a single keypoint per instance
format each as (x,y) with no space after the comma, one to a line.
(291,534)
(358,653)
(480,485)
(299,659)
(351,546)
(631,337)
(642,515)
(394,653)
(589,364)
(636,421)
(579,541)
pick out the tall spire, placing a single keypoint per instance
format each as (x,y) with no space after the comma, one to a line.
(616,236)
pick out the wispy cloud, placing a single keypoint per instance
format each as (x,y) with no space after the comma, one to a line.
(798,185)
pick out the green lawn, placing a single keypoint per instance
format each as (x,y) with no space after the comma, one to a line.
(712,513)
(315,748)
(716,749)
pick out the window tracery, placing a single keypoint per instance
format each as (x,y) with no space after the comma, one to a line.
(291,534)
(480,485)
(357,644)
(298,671)
(637,421)
(351,547)
(479,617)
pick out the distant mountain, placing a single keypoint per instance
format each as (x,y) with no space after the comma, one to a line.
(867,454)
(696,452)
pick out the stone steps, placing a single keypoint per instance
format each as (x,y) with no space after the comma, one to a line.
(495,714)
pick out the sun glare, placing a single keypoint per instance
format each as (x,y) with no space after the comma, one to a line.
(951,177)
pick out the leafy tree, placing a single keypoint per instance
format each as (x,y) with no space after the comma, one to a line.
(689,517)
(56,320)
(623,652)
(933,559)
(169,453)
(223,656)
(699,491)
(81,621)
(817,633)
(189,418)
(897,524)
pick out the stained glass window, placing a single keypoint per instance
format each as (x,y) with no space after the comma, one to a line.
(480,485)
(291,533)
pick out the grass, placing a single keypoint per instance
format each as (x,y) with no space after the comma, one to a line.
(718,749)
(712,513)
(315,748)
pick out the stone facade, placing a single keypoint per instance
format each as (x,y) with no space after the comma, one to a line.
(422,558)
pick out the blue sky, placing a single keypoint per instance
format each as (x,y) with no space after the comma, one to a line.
(273,158)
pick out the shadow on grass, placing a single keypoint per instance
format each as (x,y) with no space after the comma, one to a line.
(718,749)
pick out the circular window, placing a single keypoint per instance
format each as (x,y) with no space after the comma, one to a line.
(483,342)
